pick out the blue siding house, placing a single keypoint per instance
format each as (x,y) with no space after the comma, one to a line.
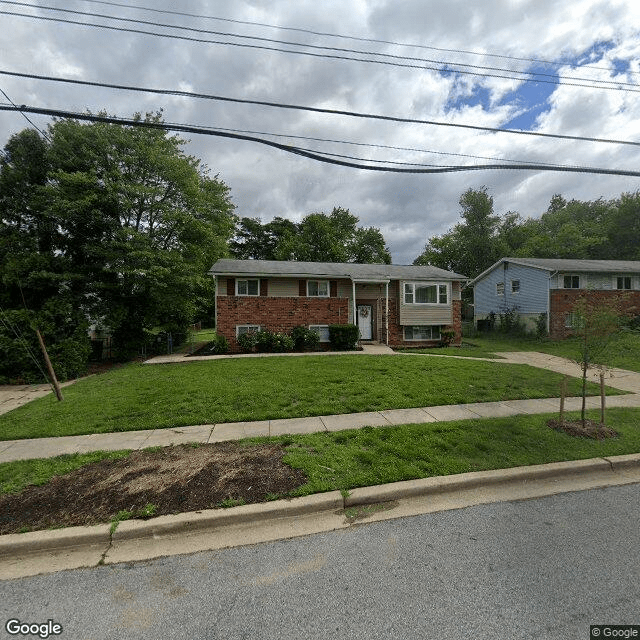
(532,286)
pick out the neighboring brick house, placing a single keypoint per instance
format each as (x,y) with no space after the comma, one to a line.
(533,286)
(394,305)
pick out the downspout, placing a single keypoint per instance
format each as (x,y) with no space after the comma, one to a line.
(555,273)
(355,309)
(386,313)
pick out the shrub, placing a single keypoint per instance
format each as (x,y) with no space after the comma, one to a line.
(247,341)
(219,345)
(304,338)
(541,326)
(447,336)
(265,341)
(281,342)
(343,337)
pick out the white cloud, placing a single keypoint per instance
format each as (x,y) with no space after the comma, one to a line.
(408,208)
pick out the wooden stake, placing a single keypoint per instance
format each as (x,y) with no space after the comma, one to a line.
(52,373)
(602,398)
(563,393)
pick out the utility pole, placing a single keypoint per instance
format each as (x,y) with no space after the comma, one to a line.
(52,373)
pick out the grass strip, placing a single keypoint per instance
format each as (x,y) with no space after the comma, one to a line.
(247,389)
(16,475)
(345,460)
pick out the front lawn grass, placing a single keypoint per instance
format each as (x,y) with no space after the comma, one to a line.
(245,389)
(623,349)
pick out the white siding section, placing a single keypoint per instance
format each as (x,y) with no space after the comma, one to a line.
(283,288)
(595,281)
(423,314)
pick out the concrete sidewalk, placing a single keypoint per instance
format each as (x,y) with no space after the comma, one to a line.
(208,433)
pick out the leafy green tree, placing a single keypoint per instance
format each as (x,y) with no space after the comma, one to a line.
(121,223)
(472,245)
(317,238)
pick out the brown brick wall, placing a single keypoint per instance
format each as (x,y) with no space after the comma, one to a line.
(563,302)
(277,314)
(283,314)
(396,334)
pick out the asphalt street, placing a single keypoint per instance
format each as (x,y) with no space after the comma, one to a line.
(544,568)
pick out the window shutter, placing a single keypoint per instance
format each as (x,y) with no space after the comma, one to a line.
(333,288)
(264,287)
(302,288)
(231,286)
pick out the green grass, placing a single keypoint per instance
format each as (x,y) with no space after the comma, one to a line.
(149,397)
(345,460)
(15,476)
(622,351)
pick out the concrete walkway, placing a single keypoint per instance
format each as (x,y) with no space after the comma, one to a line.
(208,433)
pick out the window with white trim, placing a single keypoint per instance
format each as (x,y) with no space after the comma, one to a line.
(418,293)
(623,282)
(247,287)
(515,286)
(322,330)
(247,328)
(571,282)
(318,288)
(499,288)
(422,332)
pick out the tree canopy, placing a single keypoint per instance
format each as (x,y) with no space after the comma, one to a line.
(590,230)
(116,222)
(317,238)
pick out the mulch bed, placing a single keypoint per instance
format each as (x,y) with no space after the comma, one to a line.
(590,429)
(174,479)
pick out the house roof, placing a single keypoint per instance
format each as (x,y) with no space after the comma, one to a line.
(364,272)
(557,264)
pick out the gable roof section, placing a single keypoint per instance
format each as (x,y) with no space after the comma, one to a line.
(363,272)
(558,264)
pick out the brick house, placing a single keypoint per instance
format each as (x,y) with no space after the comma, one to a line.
(391,304)
(533,286)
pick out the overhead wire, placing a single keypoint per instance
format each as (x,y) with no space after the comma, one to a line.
(345,36)
(532,76)
(321,157)
(25,116)
(340,112)
(318,55)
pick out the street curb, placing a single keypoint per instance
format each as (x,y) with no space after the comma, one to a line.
(15,544)
(24,544)
(474,480)
(627,461)
(217,518)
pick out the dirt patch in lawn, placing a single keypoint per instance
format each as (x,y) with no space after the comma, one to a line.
(173,479)
(590,429)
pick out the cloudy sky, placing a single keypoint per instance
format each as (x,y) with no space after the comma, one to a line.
(583,53)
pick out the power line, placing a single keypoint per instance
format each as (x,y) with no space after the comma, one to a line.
(377,146)
(340,112)
(56,113)
(532,76)
(343,36)
(26,117)
(319,55)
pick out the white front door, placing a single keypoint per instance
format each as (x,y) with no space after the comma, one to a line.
(365,321)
